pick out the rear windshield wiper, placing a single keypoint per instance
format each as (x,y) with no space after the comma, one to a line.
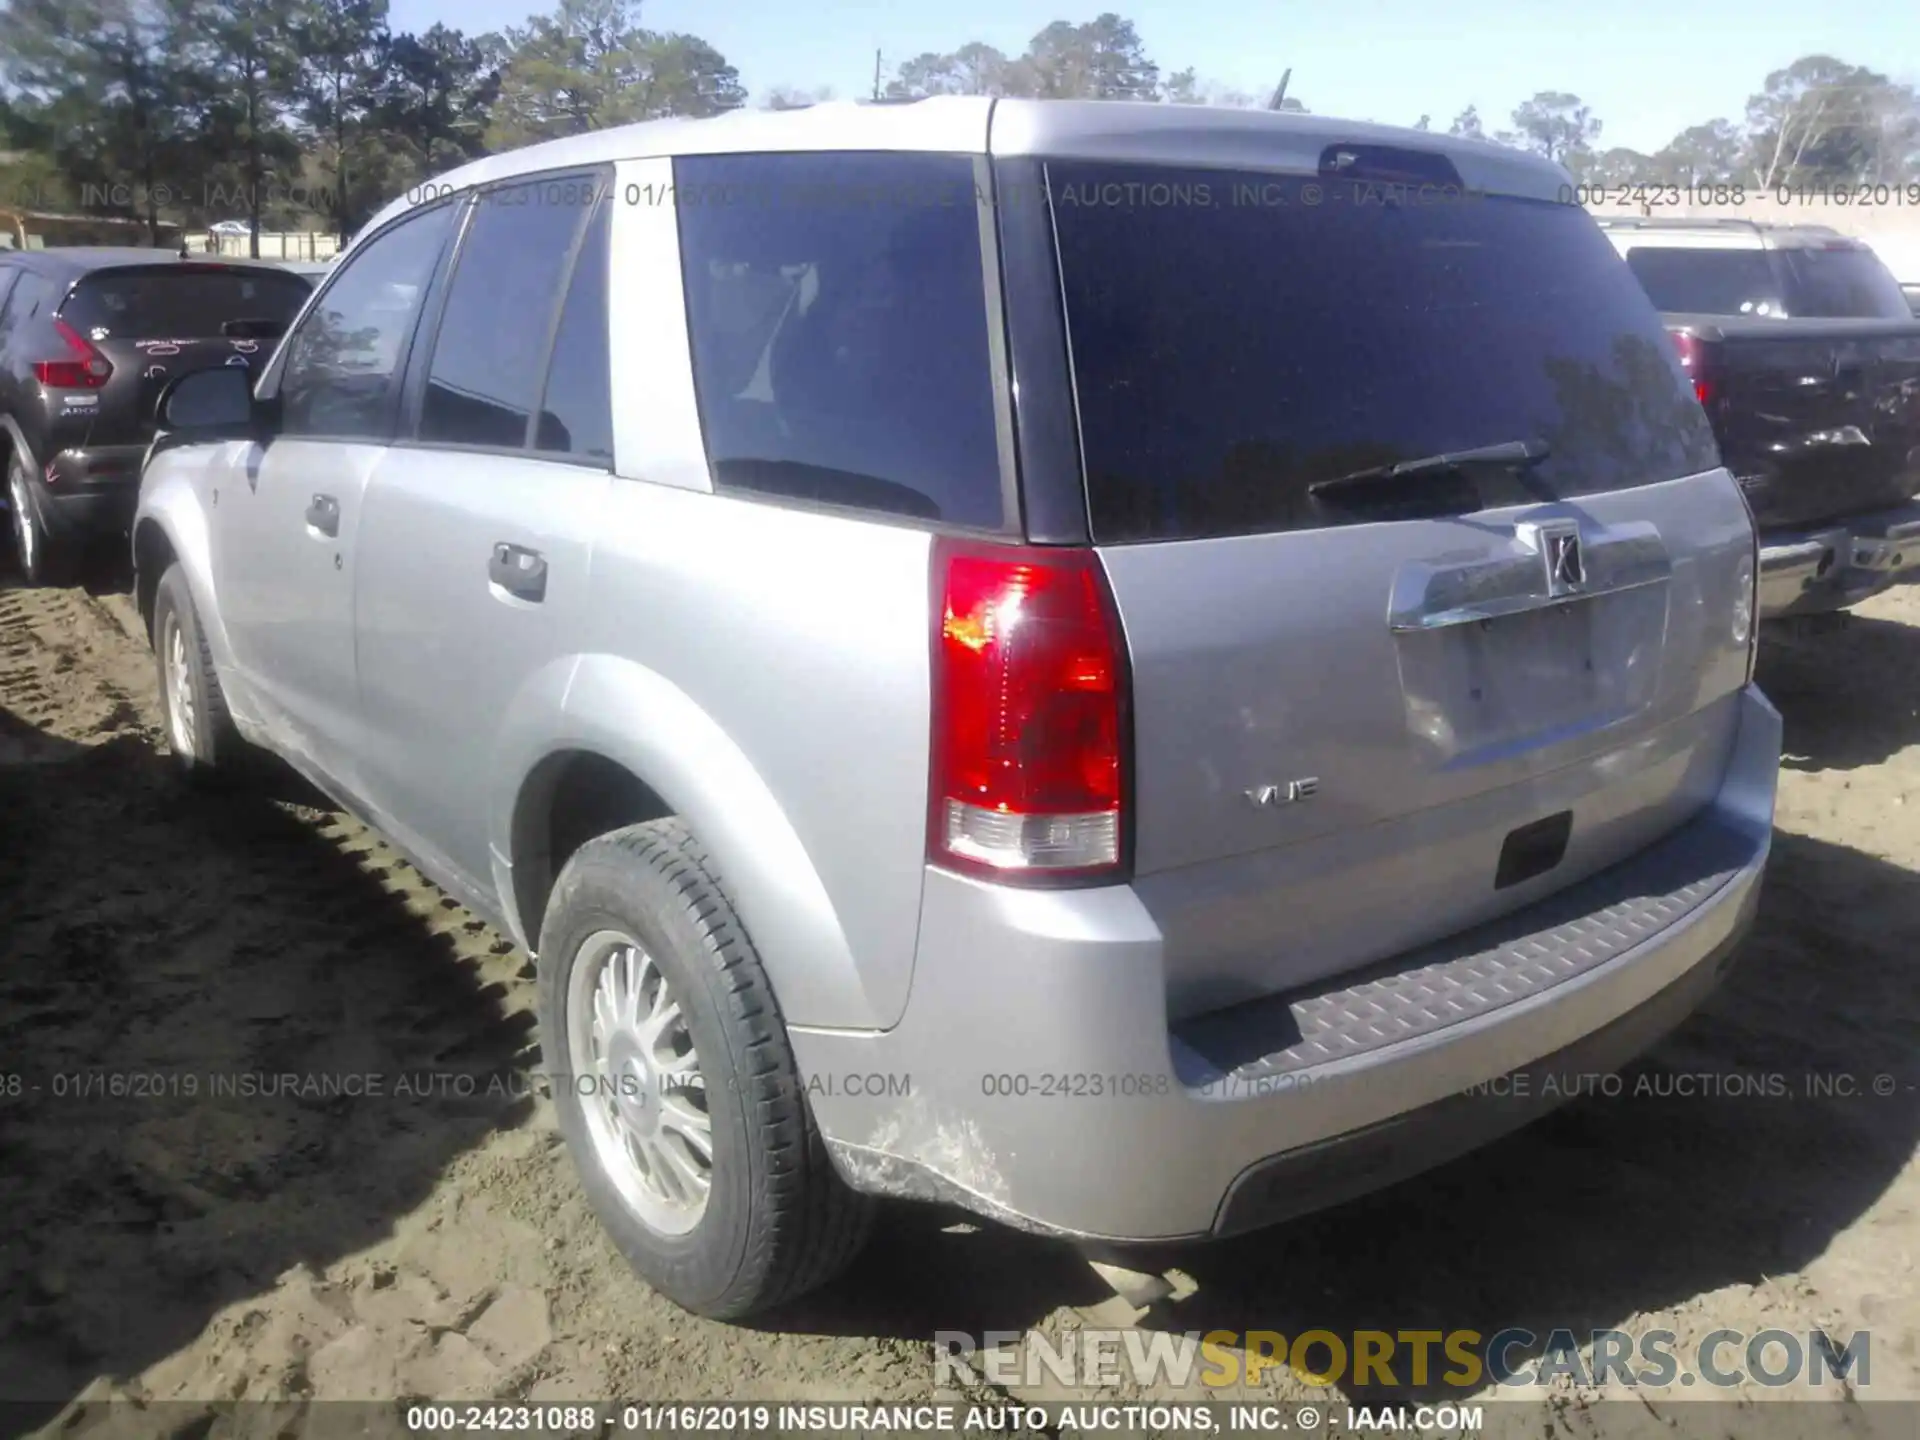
(1518,453)
(1379,487)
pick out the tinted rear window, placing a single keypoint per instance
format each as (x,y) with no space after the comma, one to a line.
(1840,283)
(838,319)
(1704,281)
(1228,356)
(186,304)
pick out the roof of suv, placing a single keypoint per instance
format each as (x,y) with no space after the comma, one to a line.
(1091,129)
(73,261)
(1725,234)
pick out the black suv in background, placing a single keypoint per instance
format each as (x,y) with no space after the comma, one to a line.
(88,338)
(1806,357)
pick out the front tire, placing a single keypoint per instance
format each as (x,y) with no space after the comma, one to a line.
(676,1086)
(42,560)
(205,746)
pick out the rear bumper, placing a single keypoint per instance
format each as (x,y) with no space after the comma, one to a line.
(1034,1077)
(1831,567)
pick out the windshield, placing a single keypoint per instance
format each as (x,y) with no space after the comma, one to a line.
(1236,343)
(190,303)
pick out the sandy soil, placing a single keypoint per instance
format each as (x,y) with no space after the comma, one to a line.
(431,1241)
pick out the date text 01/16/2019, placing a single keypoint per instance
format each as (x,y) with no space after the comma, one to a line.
(1905,195)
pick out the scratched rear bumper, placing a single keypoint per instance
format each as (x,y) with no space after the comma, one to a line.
(1035,1077)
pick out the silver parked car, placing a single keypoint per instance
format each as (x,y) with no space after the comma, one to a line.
(1126,666)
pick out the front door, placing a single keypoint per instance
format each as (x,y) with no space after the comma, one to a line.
(287,512)
(472,583)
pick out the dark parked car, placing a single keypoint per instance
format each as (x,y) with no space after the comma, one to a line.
(1806,355)
(88,338)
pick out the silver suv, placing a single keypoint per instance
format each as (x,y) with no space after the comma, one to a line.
(1139,669)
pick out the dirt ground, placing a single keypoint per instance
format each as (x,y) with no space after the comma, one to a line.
(180,1240)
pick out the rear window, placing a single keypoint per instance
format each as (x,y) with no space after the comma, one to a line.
(1840,282)
(184,304)
(1237,339)
(838,319)
(1820,282)
(1707,281)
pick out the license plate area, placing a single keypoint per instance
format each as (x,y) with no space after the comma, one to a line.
(1490,687)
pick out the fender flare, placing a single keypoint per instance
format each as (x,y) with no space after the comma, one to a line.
(171,505)
(633,716)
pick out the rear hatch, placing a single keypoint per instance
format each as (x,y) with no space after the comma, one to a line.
(1808,361)
(155,323)
(1375,706)
(1818,419)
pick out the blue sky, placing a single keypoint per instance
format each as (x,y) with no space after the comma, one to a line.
(1649,68)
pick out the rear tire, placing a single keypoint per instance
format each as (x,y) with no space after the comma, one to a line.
(206,748)
(653,1001)
(42,560)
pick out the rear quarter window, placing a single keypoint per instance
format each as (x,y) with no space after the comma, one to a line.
(838,318)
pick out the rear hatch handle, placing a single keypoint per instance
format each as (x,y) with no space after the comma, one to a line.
(1549,562)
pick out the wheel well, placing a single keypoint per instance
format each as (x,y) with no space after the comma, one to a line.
(569,799)
(152,554)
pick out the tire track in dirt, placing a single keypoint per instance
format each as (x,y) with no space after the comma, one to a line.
(295,1245)
(180,1238)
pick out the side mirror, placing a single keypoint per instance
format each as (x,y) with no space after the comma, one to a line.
(209,401)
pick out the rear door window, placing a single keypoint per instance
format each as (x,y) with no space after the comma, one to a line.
(576,413)
(192,302)
(1707,280)
(838,319)
(489,359)
(1237,340)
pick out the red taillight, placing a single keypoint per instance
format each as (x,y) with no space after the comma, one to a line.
(1029,714)
(1693,361)
(82,368)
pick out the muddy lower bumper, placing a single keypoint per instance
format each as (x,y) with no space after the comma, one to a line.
(1831,567)
(1035,1079)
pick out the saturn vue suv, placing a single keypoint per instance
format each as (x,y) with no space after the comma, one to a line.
(1119,666)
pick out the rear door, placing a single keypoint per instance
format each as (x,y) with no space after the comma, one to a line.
(479,522)
(1373,707)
